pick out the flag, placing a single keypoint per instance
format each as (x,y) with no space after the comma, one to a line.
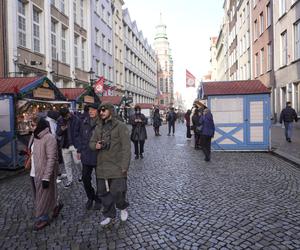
(99,85)
(190,80)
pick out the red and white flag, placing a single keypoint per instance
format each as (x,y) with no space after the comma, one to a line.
(99,85)
(190,80)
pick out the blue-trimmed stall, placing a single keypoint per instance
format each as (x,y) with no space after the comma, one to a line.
(241,111)
(15,92)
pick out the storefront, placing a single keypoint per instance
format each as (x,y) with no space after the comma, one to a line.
(22,98)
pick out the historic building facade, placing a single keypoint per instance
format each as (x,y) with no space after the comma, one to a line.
(118,45)
(286,23)
(102,43)
(3,41)
(165,82)
(49,38)
(140,64)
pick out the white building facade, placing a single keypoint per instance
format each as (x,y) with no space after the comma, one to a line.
(49,38)
(140,64)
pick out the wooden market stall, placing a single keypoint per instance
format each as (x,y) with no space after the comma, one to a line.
(241,111)
(21,98)
(78,96)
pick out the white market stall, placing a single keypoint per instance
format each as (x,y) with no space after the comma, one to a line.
(241,111)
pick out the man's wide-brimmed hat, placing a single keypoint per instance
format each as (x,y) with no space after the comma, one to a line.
(199,104)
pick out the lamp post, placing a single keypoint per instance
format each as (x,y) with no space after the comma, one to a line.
(91,73)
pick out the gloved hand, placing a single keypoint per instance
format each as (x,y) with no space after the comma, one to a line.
(45,184)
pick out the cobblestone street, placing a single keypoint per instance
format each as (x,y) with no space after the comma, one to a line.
(177,201)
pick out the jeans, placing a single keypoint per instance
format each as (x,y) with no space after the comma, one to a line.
(206,146)
(139,147)
(113,197)
(171,125)
(188,131)
(288,129)
(87,181)
(70,157)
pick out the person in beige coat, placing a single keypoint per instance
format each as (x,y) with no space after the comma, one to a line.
(44,168)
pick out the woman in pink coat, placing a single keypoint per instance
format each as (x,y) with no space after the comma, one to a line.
(44,167)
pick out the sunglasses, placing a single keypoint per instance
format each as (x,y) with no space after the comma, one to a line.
(103,110)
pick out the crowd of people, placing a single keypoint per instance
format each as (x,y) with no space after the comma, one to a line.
(98,142)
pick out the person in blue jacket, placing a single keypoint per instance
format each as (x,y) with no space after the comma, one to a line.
(207,132)
(87,156)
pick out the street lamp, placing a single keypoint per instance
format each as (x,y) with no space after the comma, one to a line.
(91,73)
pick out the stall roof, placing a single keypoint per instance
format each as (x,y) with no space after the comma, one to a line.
(146,105)
(13,85)
(234,88)
(72,93)
(115,100)
(26,85)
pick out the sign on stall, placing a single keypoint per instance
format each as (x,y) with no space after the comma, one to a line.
(44,93)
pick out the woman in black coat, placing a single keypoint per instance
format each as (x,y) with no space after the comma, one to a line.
(138,133)
(156,122)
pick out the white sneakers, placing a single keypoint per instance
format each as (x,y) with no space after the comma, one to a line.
(107,221)
(124,215)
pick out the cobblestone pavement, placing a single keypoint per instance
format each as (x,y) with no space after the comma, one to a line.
(178,201)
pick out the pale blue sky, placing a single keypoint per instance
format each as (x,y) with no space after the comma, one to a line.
(190,24)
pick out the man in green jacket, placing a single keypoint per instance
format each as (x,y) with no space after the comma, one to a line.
(112,141)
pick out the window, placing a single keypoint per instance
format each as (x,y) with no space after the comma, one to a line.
(283,48)
(97,7)
(257,73)
(97,67)
(81,13)
(102,11)
(297,40)
(103,41)
(53,39)
(269,14)
(36,30)
(108,19)
(104,70)
(63,45)
(269,56)
(21,24)
(74,11)
(110,73)
(161,84)
(116,52)
(62,6)
(282,7)
(97,36)
(167,85)
(262,23)
(262,61)
(109,46)
(83,54)
(76,51)
(255,30)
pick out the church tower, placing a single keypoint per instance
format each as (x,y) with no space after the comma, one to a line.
(165,65)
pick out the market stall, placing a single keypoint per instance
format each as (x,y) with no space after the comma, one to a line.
(22,98)
(78,96)
(241,111)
